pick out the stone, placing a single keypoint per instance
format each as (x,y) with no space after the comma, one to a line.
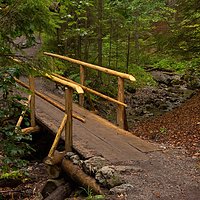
(74,157)
(69,154)
(161,77)
(108,177)
(121,189)
(92,165)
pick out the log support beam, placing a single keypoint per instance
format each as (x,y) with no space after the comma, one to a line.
(58,135)
(31,130)
(68,112)
(121,108)
(32,103)
(82,81)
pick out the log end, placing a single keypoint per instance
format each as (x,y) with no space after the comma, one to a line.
(131,78)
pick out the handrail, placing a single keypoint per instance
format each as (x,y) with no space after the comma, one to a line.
(49,100)
(92,91)
(66,83)
(121,116)
(58,80)
(102,69)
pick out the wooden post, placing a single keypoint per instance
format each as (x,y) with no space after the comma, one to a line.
(23,113)
(32,103)
(68,126)
(121,109)
(82,82)
(57,138)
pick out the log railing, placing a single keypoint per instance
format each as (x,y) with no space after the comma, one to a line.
(67,119)
(121,76)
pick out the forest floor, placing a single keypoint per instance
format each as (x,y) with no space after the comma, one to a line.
(179,127)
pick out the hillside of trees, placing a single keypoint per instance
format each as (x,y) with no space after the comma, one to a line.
(123,35)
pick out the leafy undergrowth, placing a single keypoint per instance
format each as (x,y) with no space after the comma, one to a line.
(179,127)
(14,145)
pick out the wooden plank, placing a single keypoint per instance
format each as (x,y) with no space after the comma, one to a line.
(95,138)
(104,142)
(130,139)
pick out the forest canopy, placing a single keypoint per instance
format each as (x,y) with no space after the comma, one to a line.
(125,35)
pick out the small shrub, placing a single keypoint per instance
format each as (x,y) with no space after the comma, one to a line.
(192,73)
(142,77)
(170,64)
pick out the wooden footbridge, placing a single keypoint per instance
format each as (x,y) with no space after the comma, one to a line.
(82,130)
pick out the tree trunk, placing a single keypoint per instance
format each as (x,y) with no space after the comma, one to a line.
(53,171)
(110,44)
(136,40)
(79,40)
(50,186)
(100,41)
(58,39)
(128,50)
(86,41)
(117,51)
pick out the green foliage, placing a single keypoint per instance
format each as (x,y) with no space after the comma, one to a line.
(22,18)
(12,175)
(155,27)
(171,64)
(186,29)
(163,130)
(143,78)
(14,144)
(192,73)
(90,195)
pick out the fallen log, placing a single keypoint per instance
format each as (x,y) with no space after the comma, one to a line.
(50,186)
(54,171)
(56,159)
(78,176)
(54,163)
(60,193)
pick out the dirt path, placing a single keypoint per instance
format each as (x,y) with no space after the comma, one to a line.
(167,175)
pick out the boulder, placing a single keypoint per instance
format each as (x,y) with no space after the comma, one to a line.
(121,189)
(92,165)
(108,177)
